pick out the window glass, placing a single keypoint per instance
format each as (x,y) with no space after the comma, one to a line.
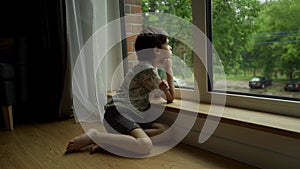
(258,42)
(182,54)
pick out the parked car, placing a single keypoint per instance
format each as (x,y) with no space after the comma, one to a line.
(292,85)
(259,82)
(179,82)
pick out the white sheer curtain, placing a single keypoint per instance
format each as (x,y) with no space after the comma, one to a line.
(91,73)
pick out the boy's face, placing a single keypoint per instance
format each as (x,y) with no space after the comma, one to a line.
(165,51)
(166,46)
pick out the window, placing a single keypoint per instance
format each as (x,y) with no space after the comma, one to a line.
(164,13)
(257,42)
(251,38)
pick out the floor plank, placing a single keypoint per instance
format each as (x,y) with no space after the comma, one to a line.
(42,145)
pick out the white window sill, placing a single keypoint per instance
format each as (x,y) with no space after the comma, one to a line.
(267,122)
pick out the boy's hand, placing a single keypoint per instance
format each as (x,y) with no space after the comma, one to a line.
(163,85)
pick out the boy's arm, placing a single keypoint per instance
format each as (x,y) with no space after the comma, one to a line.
(168,88)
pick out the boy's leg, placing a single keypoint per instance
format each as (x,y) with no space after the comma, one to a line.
(156,129)
(136,133)
(159,132)
(137,142)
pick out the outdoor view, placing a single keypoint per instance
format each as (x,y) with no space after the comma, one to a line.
(258,42)
(182,54)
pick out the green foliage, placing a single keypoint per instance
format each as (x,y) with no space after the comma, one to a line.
(247,34)
(180,8)
(279,37)
(180,30)
(233,22)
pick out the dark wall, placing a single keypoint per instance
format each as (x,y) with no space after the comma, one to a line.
(38,31)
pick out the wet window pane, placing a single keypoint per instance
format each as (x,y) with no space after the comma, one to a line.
(258,43)
(153,15)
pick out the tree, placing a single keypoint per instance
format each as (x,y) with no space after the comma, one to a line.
(247,34)
(180,32)
(278,37)
(233,26)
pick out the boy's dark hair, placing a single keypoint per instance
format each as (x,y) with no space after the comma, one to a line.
(150,37)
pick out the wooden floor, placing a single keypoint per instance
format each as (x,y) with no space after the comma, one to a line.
(42,145)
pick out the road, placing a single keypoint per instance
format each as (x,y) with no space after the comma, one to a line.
(276,89)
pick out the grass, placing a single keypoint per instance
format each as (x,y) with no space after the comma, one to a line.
(241,77)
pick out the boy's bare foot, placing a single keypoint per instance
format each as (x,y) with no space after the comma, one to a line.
(95,148)
(78,143)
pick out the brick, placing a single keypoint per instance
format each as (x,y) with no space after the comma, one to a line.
(138,2)
(133,25)
(129,47)
(131,37)
(128,28)
(133,2)
(134,19)
(129,1)
(136,9)
(136,28)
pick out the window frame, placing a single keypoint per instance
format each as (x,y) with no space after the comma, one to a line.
(262,104)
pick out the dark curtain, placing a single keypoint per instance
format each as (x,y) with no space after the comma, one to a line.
(44,85)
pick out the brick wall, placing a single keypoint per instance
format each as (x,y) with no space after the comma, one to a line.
(133,10)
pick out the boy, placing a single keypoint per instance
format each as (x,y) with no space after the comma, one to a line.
(125,115)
